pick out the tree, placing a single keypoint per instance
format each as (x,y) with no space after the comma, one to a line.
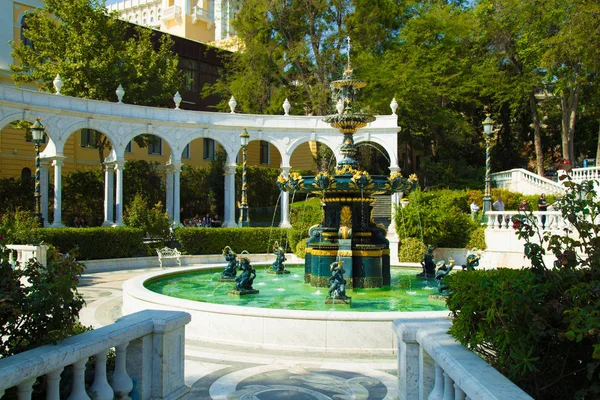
(83,195)
(142,177)
(292,50)
(94,52)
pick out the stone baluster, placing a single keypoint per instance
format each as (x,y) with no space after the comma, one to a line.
(53,384)
(101,390)
(78,388)
(25,389)
(438,389)
(121,382)
(491,222)
(459,394)
(448,387)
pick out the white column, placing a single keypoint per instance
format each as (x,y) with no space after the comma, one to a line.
(121,381)
(229,212)
(101,390)
(58,163)
(53,384)
(78,385)
(169,199)
(44,190)
(285,202)
(392,235)
(176,193)
(119,166)
(109,185)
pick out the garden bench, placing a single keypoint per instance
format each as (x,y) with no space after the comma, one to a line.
(167,252)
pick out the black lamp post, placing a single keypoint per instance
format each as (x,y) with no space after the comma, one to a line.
(488,125)
(37,135)
(244,138)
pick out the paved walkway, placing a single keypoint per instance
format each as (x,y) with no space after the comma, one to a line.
(214,372)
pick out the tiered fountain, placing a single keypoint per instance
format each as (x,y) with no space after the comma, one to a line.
(347,231)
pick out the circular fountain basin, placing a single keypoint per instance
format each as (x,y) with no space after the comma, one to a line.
(335,329)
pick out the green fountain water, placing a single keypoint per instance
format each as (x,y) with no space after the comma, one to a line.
(406,293)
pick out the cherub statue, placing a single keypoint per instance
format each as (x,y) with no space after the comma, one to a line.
(337,283)
(230,270)
(245,280)
(473,257)
(427,264)
(440,274)
(277,265)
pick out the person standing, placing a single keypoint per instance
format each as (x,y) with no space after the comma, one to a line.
(543,206)
(523,205)
(474,209)
(499,206)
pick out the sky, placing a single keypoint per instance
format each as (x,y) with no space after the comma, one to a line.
(107,2)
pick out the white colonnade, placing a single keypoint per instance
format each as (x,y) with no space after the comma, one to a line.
(120,123)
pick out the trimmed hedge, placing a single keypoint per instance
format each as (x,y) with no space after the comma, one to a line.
(213,240)
(95,243)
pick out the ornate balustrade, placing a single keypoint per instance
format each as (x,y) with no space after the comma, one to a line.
(525,182)
(545,220)
(149,350)
(585,174)
(434,366)
(25,252)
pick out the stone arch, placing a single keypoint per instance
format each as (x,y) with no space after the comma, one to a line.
(386,146)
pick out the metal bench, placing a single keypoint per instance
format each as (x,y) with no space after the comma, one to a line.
(167,252)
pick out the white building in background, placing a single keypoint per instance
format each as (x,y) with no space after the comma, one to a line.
(207,21)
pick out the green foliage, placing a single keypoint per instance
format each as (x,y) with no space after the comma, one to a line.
(20,227)
(16,193)
(411,250)
(301,249)
(95,243)
(303,215)
(213,240)
(153,221)
(262,189)
(142,177)
(40,305)
(477,239)
(92,65)
(438,216)
(202,189)
(539,326)
(83,195)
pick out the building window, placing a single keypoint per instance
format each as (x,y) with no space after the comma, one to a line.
(24,27)
(25,173)
(128,147)
(265,152)
(186,152)
(190,73)
(89,138)
(210,149)
(155,146)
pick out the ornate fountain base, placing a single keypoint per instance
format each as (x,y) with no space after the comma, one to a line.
(236,292)
(338,300)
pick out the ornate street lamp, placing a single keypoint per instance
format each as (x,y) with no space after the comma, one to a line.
(488,127)
(243,205)
(37,135)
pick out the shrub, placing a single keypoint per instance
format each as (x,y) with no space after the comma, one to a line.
(20,227)
(301,249)
(213,240)
(477,239)
(440,217)
(153,221)
(539,326)
(95,243)
(43,311)
(303,215)
(411,250)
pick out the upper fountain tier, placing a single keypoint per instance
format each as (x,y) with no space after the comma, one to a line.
(346,120)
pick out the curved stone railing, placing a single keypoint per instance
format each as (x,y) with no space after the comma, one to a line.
(525,182)
(434,366)
(149,351)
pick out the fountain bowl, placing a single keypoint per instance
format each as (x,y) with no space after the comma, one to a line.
(273,329)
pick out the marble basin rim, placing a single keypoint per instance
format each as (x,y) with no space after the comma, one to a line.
(273,329)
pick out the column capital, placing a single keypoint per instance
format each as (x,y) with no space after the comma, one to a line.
(394,169)
(230,169)
(285,169)
(119,164)
(58,162)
